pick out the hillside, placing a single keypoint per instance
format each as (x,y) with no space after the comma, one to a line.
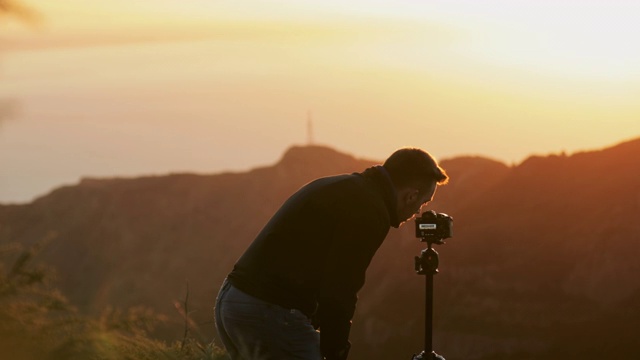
(544,254)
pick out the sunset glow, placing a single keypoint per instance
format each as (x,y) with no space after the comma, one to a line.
(138,87)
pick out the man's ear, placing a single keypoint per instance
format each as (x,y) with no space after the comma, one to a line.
(409,195)
(415,195)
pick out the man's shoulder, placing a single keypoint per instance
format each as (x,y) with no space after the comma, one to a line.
(342,185)
(349,195)
(337,185)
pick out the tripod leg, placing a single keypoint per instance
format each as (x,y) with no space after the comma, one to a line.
(432,356)
(428,311)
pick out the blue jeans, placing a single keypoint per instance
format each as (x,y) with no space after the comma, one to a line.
(252,329)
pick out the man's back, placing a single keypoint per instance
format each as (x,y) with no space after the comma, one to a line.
(322,237)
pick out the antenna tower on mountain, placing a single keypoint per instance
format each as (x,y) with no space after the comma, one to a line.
(309,128)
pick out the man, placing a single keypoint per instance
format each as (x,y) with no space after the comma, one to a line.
(304,269)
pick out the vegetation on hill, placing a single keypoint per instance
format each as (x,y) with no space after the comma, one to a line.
(543,259)
(38,322)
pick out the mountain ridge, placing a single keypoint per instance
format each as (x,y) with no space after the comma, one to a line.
(555,235)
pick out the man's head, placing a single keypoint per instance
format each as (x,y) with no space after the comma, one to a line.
(415,175)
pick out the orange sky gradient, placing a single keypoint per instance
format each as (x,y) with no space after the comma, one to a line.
(141,87)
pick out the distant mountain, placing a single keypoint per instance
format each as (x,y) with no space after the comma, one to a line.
(543,262)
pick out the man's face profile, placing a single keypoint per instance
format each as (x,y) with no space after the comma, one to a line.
(411,200)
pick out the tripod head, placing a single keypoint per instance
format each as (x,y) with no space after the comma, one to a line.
(431,228)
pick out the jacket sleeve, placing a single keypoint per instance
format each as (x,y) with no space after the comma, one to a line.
(352,248)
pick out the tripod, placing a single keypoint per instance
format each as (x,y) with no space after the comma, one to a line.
(431,228)
(427,264)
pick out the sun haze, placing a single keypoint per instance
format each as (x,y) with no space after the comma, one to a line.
(138,87)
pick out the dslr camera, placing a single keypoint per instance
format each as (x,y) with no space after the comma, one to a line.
(434,227)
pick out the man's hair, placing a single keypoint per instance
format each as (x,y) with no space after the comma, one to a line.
(414,167)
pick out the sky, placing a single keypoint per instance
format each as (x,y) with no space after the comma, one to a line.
(140,87)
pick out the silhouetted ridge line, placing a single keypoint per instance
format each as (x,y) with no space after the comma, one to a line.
(541,251)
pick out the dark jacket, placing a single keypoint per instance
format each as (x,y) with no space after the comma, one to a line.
(313,253)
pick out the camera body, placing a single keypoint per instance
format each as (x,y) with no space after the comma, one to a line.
(434,227)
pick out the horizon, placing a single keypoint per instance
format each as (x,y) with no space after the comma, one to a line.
(279,158)
(132,88)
